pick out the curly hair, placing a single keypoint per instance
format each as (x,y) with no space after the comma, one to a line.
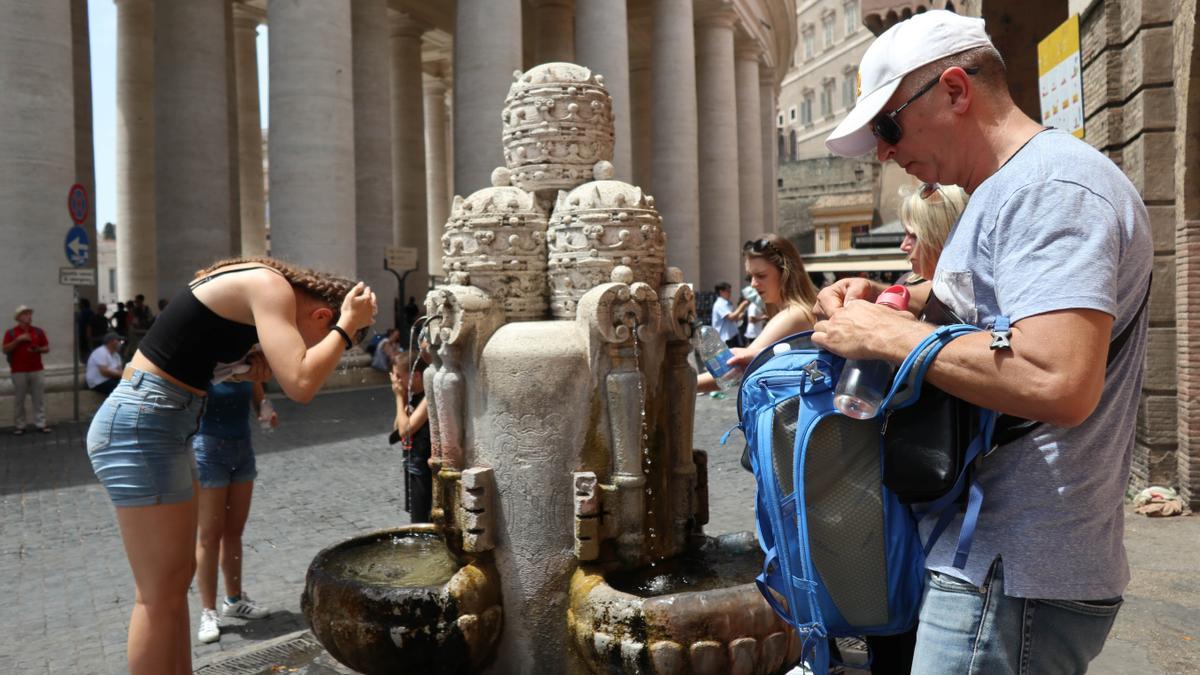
(321,286)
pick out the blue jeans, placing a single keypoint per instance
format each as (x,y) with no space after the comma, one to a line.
(138,441)
(979,630)
(221,461)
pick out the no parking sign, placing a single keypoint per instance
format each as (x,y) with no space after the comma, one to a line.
(77,203)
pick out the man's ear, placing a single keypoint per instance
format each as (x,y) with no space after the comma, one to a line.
(322,314)
(960,87)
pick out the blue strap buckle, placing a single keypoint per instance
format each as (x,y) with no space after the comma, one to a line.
(1001,334)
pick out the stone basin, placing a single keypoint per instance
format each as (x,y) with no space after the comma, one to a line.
(698,613)
(400,600)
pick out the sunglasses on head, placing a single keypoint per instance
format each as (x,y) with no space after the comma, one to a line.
(757,245)
(887,129)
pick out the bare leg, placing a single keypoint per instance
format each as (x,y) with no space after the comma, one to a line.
(208,545)
(231,544)
(160,544)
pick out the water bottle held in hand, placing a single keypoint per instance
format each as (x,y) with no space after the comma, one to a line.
(716,355)
(864,383)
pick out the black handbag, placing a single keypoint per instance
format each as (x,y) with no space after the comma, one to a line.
(926,442)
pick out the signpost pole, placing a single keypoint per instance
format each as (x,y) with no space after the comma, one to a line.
(75,349)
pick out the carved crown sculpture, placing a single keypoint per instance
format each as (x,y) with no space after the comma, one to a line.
(557,123)
(596,227)
(496,241)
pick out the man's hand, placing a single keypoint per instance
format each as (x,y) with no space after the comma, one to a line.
(864,330)
(835,296)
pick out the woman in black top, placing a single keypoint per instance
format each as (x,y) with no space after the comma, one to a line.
(137,441)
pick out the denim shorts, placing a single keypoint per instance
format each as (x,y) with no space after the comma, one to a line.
(138,441)
(222,461)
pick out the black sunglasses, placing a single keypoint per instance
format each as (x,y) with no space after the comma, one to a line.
(886,128)
(757,245)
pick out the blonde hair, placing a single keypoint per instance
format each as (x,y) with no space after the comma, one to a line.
(321,286)
(932,218)
(795,286)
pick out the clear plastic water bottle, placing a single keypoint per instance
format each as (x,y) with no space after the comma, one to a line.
(864,383)
(715,354)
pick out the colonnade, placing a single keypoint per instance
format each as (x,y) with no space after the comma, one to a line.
(371,131)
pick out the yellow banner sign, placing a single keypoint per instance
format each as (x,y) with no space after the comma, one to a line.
(1060,78)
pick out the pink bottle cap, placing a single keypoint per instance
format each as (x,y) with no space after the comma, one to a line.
(895,297)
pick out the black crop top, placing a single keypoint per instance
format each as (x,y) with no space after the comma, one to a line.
(188,339)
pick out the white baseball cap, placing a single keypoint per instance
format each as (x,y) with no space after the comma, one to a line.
(903,48)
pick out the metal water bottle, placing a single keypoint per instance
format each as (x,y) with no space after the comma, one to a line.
(864,383)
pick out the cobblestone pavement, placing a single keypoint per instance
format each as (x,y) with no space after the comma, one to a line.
(328,473)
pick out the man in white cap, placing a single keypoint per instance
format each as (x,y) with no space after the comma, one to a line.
(24,345)
(1056,239)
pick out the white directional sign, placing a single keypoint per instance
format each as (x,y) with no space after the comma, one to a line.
(77,276)
(401,258)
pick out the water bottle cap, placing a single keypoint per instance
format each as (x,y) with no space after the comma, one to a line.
(781,348)
(895,297)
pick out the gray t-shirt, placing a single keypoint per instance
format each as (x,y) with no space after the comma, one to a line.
(1058,227)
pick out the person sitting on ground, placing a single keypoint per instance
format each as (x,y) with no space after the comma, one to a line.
(777,274)
(103,370)
(24,345)
(303,321)
(725,317)
(227,468)
(411,429)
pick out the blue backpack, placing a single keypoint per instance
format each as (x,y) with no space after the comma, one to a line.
(843,556)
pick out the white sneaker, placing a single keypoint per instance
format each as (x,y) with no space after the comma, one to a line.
(244,608)
(210,626)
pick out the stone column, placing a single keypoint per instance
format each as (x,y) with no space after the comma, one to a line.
(373,149)
(409,220)
(137,266)
(312,134)
(554,33)
(716,94)
(749,141)
(639,123)
(487,49)
(436,190)
(252,211)
(37,163)
(85,168)
(768,101)
(191,151)
(674,161)
(602,44)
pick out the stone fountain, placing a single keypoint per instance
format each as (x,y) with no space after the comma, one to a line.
(568,500)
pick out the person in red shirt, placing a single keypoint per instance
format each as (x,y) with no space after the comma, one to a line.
(24,345)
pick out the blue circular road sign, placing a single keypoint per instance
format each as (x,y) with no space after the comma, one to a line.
(76,246)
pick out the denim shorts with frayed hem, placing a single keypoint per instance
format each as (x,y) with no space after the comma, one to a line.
(138,441)
(222,461)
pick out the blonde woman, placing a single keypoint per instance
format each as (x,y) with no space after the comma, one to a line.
(777,273)
(303,321)
(928,215)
